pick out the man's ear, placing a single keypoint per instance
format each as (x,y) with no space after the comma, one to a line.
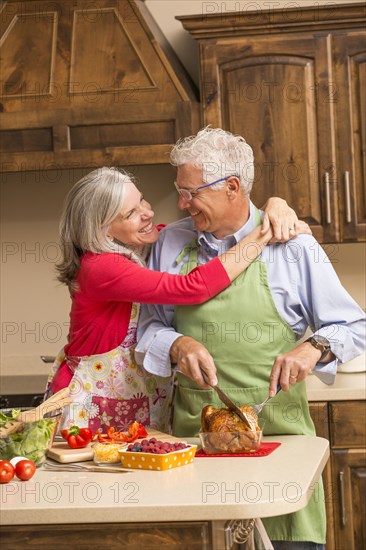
(233,186)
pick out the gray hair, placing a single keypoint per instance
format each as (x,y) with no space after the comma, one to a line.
(90,207)
(219,154)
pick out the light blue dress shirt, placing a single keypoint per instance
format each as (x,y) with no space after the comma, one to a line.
(305,289)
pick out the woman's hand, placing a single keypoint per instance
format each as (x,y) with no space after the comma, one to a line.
(283,220)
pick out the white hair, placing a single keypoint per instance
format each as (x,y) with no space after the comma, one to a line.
(219,154)
(90,207)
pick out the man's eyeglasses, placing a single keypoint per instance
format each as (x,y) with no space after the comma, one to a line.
(189,194)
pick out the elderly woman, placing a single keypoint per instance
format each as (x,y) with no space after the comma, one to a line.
(106,229)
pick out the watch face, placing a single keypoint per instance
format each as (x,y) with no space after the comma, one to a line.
(322,341)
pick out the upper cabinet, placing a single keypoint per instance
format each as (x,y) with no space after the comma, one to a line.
(88,84)
(292,83)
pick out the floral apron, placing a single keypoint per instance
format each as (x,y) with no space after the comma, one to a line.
(110,389)
(244,332)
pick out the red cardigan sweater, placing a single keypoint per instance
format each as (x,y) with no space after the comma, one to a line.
(108,285)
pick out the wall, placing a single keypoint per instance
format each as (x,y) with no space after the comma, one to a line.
(34,307)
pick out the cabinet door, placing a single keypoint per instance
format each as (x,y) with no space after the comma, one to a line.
(350,95)
(275,91)
(113,536)
(349,476)
(86,85)
(347,424)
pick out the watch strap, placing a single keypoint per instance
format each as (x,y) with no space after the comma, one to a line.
(323,348)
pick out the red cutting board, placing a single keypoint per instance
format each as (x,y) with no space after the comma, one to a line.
(61,452)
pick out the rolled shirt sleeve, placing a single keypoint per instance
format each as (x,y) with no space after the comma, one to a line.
(324,305)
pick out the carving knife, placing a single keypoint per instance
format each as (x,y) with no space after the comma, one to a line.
(232,407)
(229,403)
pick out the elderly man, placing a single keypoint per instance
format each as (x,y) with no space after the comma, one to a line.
(246,335)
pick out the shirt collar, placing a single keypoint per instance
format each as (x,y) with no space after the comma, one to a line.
(210,241)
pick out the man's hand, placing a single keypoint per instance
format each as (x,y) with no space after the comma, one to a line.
(191,358)
(293,367)
(283,220)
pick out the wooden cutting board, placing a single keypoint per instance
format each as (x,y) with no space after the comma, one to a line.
(61,452)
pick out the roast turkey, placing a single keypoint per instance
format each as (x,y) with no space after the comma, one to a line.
(226,432)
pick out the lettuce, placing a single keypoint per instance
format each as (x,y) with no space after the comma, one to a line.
(8,418)
(32,442)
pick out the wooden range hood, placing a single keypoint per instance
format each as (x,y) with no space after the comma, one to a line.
(87,84)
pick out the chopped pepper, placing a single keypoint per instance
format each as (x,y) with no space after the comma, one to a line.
(76,437)
(135,431)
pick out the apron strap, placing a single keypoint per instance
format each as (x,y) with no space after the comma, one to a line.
(187,249)
(257,217)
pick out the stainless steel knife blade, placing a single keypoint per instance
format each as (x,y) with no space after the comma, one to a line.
(232,407)
(229,403)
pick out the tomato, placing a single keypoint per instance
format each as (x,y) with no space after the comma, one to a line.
(6,471)
(25,469)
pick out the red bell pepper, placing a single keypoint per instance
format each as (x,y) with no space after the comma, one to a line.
(76,437)
(135,431)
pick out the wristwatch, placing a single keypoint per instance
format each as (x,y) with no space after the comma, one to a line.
(320,343)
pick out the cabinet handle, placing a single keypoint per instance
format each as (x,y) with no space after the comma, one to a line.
(328,214)
(238,531)
(343,506)
(228,535)
(348,197)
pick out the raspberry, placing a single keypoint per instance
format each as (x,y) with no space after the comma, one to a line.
(156,446)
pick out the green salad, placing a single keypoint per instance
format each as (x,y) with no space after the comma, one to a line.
(32,442)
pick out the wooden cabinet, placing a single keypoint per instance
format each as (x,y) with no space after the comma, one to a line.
(185,535)
(348,457)
(292,83)
(349,56)
(87,85)
(349,476)
(319,414)
(132,536)
(344,424)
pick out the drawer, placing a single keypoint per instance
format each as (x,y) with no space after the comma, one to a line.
(347,424)
(114,536)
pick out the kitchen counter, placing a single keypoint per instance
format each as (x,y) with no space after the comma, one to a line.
(208,489)
(347,386)
(24,377)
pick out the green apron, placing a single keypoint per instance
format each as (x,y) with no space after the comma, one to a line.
(244,332)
